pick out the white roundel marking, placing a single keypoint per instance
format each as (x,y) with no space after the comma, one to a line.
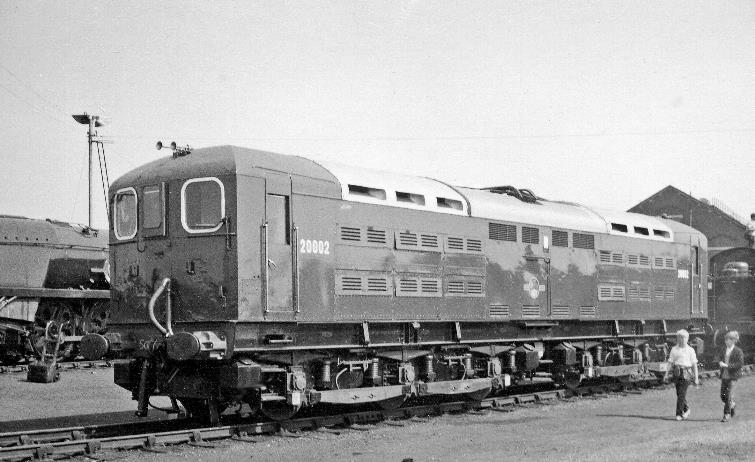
(532,287)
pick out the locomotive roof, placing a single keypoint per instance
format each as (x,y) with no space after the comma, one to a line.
(404,191)
(385,188)
(485,204)
(377,187)
(225,160)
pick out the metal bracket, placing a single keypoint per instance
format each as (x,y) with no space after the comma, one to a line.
(366,333)
(457,331)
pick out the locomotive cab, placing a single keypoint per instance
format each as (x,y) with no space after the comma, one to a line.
(182,250)
(176,231)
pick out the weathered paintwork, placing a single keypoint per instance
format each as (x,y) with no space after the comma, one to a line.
(414,285)
(510,289)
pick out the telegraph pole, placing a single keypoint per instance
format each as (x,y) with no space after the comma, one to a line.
(92,121)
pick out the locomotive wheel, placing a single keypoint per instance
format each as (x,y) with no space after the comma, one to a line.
(202,410)
(572,380)
(63,315)
(572,383)
(94,318)
(391,403)
(478,395)
(278,410)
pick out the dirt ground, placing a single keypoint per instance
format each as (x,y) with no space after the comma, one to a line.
(70,401)
(621,428)
(627,428)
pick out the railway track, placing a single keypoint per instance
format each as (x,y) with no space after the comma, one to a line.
(154,436)
(77,441)
(62,365)
(87,441)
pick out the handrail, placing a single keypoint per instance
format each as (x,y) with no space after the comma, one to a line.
(168,315)
(265,262)
(295,268)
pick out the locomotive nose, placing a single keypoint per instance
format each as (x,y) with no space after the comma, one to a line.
(94,346)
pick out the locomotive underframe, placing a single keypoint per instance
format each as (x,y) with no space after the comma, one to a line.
(280,367)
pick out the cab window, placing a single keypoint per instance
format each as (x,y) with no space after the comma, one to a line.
(124,221)
(152,205)
(278,219)
(202,205)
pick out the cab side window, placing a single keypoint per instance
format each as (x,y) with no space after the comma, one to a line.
(278,219)
(152,204)
(153,210)
(124,218)
(202,205)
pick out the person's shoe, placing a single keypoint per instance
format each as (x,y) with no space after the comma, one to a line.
(733,406)
(678,417)
(686,414)
(726,418)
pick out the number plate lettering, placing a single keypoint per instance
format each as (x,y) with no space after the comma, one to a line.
(314,246)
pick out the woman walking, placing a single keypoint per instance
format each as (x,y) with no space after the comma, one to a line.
(683,362)
(730,359)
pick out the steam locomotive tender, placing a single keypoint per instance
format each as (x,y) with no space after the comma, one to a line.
(50,271)
(242,276)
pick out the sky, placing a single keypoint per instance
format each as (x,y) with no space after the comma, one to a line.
(602,103)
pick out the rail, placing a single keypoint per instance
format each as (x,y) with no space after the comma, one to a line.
(63,365)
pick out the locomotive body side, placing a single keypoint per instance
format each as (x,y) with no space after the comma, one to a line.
(241,275)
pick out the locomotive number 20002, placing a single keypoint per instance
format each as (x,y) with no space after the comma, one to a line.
(314,246)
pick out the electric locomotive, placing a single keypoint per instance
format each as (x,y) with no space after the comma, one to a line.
(247,277)
(51,271)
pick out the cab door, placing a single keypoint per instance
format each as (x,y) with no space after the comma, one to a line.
(277,254)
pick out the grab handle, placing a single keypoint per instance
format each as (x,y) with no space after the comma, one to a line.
(168,330)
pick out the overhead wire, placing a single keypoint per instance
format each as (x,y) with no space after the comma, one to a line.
(49,108)
(76,194)
(31,89)
(103,175)
(462,137)
(33,106)
(104,161)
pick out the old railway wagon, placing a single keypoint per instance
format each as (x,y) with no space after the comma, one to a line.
(247,276)
(49,271)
